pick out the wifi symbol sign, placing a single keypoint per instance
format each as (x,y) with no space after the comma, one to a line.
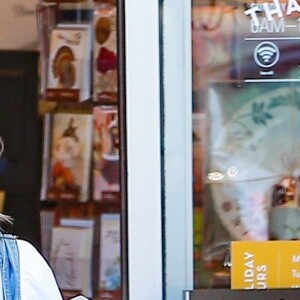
(266,54)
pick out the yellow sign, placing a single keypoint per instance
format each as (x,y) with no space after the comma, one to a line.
(262,265)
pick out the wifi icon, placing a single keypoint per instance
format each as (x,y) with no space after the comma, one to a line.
(266,54)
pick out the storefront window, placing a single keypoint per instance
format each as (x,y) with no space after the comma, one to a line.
(246,114)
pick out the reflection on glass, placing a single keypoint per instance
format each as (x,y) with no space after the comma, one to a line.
(215,176)
(246,129)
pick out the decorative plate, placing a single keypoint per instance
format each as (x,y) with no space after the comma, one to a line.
(254,142)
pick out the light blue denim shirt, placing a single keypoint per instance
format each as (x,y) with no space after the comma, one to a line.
(10,270)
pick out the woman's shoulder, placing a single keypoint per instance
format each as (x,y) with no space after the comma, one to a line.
(31,260)
(26,246)
(29,254)
(34,272)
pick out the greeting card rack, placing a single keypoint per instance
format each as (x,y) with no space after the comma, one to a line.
(82,166)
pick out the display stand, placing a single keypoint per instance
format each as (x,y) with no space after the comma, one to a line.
(81,180)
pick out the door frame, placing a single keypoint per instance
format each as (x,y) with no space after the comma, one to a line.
(159,148)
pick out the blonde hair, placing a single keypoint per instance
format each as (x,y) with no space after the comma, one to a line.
(5,219)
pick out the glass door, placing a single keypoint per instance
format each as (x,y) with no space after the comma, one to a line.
(245,115)
(212,119)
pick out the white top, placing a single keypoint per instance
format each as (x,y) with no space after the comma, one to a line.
(37,279)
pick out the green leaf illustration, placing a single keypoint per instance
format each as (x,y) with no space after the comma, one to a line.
(259,113)
(278,101)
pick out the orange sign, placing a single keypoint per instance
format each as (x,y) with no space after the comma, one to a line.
(264,265)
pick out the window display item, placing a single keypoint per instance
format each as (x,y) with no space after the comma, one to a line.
(106,160)
(246,83)
(69,77)
(110,263)
(105,54)
(285,210)
(212,34)
(254,149)
(252,164)
(70,161)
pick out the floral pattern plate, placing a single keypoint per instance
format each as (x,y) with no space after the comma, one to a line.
(254,141)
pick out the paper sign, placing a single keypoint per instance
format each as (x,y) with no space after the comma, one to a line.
(265,265)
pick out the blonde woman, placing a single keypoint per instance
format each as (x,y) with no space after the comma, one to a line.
(24,273)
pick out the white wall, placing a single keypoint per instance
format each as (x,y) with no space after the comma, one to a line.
(18,27)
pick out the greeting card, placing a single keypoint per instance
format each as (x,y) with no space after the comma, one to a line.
(105,55)
(69,76)
(71,258)
(70,161)
(110,251)
(106,160)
